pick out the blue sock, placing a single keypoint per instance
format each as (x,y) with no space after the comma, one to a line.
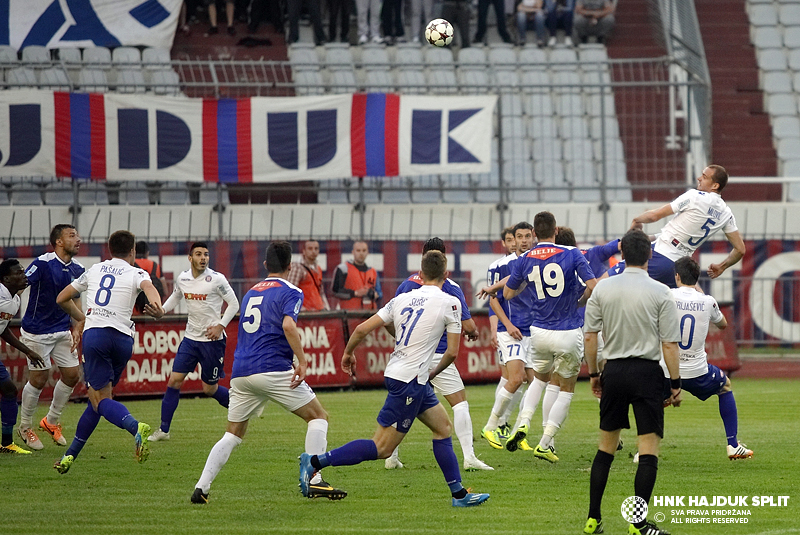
(448,463)
(168,406)
(118,414)
(221,395)
(86,424)
(351,453)
(727,409)
(8,416)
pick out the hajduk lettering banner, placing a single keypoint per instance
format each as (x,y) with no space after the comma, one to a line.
(120,137)
(87,23)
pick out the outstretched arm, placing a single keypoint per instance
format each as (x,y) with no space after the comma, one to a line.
(651,216)
(715,270)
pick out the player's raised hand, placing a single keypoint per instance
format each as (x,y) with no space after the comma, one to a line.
(715,270)
(214,332)
(636,225)
(348,363)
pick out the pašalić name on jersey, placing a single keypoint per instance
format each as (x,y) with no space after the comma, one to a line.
(111,270)
(691,306)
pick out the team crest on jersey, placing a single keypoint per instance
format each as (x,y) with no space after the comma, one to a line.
(208,278)
(266,285)
(409,400)
(6,316)
(543,253)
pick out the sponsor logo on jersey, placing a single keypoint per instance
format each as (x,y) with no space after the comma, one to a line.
(543,253)
(409,400)
(6,316)
(195,297)
(266,285)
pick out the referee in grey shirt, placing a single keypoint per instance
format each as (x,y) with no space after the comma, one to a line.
(639,320)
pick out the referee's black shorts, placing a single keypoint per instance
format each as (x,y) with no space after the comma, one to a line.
(637,382)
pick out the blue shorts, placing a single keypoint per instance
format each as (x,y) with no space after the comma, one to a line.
(707,385)
(209,354)
(106,351)
(659,267)
(405,402)
(4,375)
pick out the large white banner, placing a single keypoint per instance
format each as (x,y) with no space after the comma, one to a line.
(87,23)
(146,137)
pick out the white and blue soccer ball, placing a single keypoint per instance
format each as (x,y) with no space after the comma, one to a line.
(439,32)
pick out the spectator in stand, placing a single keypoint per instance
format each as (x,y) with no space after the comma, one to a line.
(369,12)
(307,275)
(355,283)
(530,11)
(264,11)
(593,17)
(212,17)
(335,7)
(458,13)
(294,8)
(393,30)
(153,269)
(500,15)
(421,10)
(559,14)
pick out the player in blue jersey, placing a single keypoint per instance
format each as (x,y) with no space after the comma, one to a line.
(448,383)
(496,316)
(46,329)
(111,289)
(420,317)
(699,378)
(12,282)
(513,338)
(551,276)
(263,370)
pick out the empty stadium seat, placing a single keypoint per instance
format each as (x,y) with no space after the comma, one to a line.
(531,57)
(379,81)
(375,57)
(70,56)
(409,55)
(165,82)
(93,80)
(97,57)
(782,104)
(308,82)
(338,56)
(155,58)
(767,37)
(472,57)
(59,192)
(777,82)
(438,58)
(411,81)
(791,37)
(130,81)
(786,126)
(54,79)
(503,58)
(36,56)
(442,81)
(763,15)
(790,14)
(21,77)
(124,57)
(772,59)
(474,81)
(8,57)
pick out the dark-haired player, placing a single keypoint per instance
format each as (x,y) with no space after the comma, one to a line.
(420,317)
(204,291)
(111,289)
(46,329)
(699,378)
(12,282)
(263,370)
(448,382)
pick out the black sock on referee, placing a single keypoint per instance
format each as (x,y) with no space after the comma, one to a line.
(645,479)
(597,482)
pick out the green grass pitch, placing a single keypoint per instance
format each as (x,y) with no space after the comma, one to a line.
(257,492)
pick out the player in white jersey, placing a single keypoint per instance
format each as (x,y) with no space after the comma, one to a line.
(699,213)
(204,291)
(12,282)
(699,378)
(111,289)
(420,318)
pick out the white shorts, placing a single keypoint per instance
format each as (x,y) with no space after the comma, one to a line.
(249,394)
(557,351)
(52,347)
(449,380)
(511,349)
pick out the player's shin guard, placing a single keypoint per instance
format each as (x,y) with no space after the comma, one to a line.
(86,425)
(216,460)
(549,398)
(558,414)
(597,482)
(462,424)
(317,436)
(30,399)
(532,397)
(646,476)
(501,402)
(448,463)
(61,394)
(730,417)
(221,395)
(169,405)
(118,414)
(351,453)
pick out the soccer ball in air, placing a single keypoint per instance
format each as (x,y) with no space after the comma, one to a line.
(439,32)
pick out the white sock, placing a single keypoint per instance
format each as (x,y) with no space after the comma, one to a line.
(550,395)
(216,460)
(463,426)
(30,399)
(61,394)
(317,442)
(396,453)
(516,401)
(558,414)
(500,384)
(501,402)
(532,397)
